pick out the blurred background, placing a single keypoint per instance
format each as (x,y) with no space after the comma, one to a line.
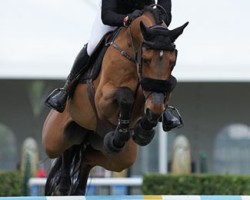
(39,41)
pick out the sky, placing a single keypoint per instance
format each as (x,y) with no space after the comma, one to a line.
(39,39)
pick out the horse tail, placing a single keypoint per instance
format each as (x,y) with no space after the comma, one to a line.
(77,176)
(53,177)
(80,171)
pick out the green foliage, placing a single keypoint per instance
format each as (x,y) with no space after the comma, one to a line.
(195,184)
(11,183)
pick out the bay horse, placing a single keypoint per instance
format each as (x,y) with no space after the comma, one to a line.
(108,117)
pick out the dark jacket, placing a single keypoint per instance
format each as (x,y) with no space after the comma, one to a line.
(114,11)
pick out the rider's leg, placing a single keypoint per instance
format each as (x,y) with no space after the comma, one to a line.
(98,31)
(57,100)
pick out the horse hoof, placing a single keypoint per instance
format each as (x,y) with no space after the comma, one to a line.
(79,192)
(64,185)
(141,136)
(61,191)
(109,145)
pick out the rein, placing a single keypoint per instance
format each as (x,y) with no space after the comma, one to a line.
(126,55)
(116,46)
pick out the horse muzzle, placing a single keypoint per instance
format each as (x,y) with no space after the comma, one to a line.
(156,93)
(155,105)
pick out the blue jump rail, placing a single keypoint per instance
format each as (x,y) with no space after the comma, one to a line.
(134,197)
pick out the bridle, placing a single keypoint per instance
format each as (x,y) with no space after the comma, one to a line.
(147,84)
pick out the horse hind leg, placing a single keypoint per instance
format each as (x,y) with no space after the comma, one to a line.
(58,181)
(61,174)
(82,173)
(53,178)
(115,140)
(77,135)
(65,181)
(83,178)
(74,172)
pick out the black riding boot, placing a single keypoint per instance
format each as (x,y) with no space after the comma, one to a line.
(57,99)
(170,120)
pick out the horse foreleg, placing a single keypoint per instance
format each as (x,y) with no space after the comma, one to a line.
(144,129)
(115,140)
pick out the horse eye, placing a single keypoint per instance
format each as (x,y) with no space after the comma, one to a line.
(145,61)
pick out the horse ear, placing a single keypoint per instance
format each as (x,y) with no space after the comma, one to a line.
(175,33)
(144,31)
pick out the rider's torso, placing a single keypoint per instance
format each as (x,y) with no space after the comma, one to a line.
(128,6)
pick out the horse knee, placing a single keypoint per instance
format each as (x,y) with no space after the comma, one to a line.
(124,97)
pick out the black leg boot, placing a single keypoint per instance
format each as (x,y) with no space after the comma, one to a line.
(58,98)
(170,120)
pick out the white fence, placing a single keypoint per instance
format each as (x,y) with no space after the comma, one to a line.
(134,197)
(111,185)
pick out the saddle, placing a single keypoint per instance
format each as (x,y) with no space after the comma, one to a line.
(95,63)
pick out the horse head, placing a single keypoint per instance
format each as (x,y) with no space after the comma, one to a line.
(156,56)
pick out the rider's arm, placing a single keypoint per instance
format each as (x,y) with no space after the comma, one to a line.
(167,4)
(109,13)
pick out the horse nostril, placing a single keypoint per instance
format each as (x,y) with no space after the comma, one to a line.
(152,117)
(155,105)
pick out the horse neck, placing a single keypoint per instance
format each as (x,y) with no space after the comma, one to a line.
(135,30)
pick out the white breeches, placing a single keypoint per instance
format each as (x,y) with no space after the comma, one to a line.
(97,32)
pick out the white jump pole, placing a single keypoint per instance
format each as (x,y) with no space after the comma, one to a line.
(163,150)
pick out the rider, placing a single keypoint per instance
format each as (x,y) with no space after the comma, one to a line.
(113,14)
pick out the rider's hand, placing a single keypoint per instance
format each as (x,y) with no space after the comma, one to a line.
(132,16)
